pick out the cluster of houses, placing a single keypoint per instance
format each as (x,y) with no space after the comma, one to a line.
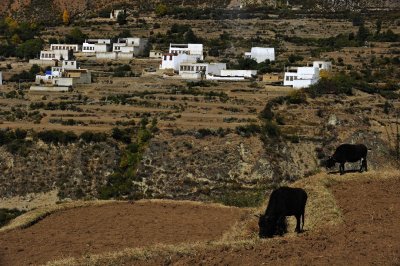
(187,61)
(124,48)
(62,78)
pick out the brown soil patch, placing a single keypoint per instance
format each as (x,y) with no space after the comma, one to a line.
(113,227)
(370,235)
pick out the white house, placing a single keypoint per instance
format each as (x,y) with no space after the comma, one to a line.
(56,55)
(323,65)
(70,64)
(260,54)
(115,12)
(192,70)
(156,54)
(189,49)
(96,46)
(302,78)
(136,46)
(173,61)
(73,47)
(69,74)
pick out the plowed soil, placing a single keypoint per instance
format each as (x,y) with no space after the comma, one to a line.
(370,235)
(113,227)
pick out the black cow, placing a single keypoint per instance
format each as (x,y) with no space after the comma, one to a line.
(348,153)
(284,201)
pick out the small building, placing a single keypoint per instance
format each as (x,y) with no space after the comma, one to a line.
(80,76)
(260,54)
(173,61)
(272,77)
(303,77)
(74,47)
(70,64)
(56,55)
(96,46)
(189,49)
(156,54)
(137,46)
(115,13)
(191,70)
(67,75)
(323,65)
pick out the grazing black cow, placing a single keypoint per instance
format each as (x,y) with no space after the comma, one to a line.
(348,153)
(284,201)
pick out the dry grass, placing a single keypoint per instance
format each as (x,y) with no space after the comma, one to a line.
(322,212)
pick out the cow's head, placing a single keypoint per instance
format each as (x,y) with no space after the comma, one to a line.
(267,226)
(330,162)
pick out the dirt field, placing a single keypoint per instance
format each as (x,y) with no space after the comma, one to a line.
(369,234)
(77,232)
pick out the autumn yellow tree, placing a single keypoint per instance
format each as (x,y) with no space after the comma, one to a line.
(65,17)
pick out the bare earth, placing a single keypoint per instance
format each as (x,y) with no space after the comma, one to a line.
(370,233)
(98,229)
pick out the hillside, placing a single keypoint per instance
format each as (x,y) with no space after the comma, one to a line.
(50,11)
(344,224)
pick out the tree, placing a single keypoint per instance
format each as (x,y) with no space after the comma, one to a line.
(29,49)
(66,18)
(75,36)
(121,19)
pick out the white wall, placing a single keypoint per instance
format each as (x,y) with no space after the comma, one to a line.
(323,65)
(74,47)
(238,73)
(190,48)
(260,54)
(303,78)
(64,82)
(170,61)
(155,54)
(88,48)
(45,88)
(107,55)
(55,55)
(69,64)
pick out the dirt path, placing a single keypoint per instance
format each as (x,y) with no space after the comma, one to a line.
(113,227)
(369,235)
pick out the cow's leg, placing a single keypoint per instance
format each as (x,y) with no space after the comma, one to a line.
(298,223)
(302,217)
(365,164)
(362,165)
(341,168)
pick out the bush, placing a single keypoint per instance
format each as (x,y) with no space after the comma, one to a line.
(242,198)
(88,137)
(57,136)
(248,130)
(339,84)
(271,129)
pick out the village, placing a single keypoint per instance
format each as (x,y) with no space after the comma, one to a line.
(158,132)
(61,62)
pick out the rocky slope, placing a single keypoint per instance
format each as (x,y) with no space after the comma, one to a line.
(48,10)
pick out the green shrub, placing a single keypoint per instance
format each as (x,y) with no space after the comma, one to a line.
(242,198)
